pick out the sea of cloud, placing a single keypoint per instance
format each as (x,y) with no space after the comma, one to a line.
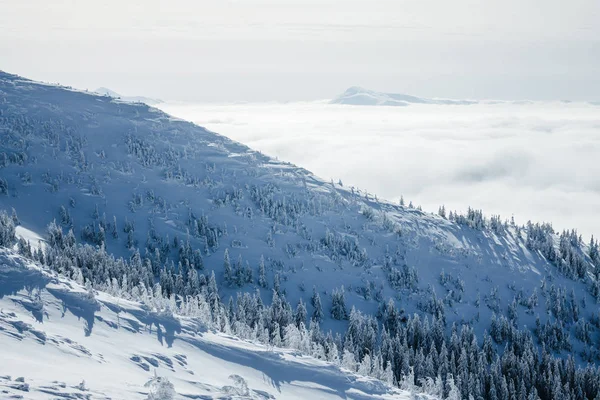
(535,161)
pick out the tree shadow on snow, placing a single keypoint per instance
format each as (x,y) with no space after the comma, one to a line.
(79,305)
(277,370)
(166,326)
(13,279)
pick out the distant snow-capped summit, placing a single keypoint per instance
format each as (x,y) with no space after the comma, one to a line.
(132,99)
(363,97)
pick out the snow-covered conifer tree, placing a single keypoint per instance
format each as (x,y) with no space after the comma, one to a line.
(228,272)
(317,314)
(262,279)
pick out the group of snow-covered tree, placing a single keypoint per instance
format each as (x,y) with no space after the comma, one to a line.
(415,352)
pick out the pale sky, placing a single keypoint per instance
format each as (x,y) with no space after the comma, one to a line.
(249,50)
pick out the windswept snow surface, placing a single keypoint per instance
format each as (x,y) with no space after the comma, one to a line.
(54,336)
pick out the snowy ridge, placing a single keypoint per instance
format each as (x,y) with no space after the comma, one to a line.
(165,207)
(114,346)
(363,97)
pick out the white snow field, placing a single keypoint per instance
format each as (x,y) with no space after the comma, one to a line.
(54,336)
(141,205)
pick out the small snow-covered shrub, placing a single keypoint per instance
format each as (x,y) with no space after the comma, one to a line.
(82,386)
(160,388)
(239,388)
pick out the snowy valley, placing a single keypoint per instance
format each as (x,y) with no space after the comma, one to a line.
(170,248)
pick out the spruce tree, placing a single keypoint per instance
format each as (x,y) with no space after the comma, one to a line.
(338,305)
(227,268)
(300,315)
(262,279)
(317,314)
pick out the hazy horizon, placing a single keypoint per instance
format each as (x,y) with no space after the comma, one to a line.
(290,50)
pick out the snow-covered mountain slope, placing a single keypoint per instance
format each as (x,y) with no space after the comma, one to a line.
(363,97)
(132,99)
(55,335)
(105,162)
(179,203)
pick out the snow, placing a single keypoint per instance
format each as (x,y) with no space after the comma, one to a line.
(116,346)
(36,240)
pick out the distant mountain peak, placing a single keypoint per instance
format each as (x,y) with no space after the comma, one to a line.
(107,92)
(356,95)
(103,91)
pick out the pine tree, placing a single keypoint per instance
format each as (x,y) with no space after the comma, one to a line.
(317,314)
(365,366)
(159,388)
(388,374)
(114,230)
(17,222)
(453,390)
(213,293)
(348,360)
(442,211)
(338,305)
(277,283)
(227,268)
(239,275)
(300,316)
(262,279)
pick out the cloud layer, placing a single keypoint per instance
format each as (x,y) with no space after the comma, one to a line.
(537,161)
